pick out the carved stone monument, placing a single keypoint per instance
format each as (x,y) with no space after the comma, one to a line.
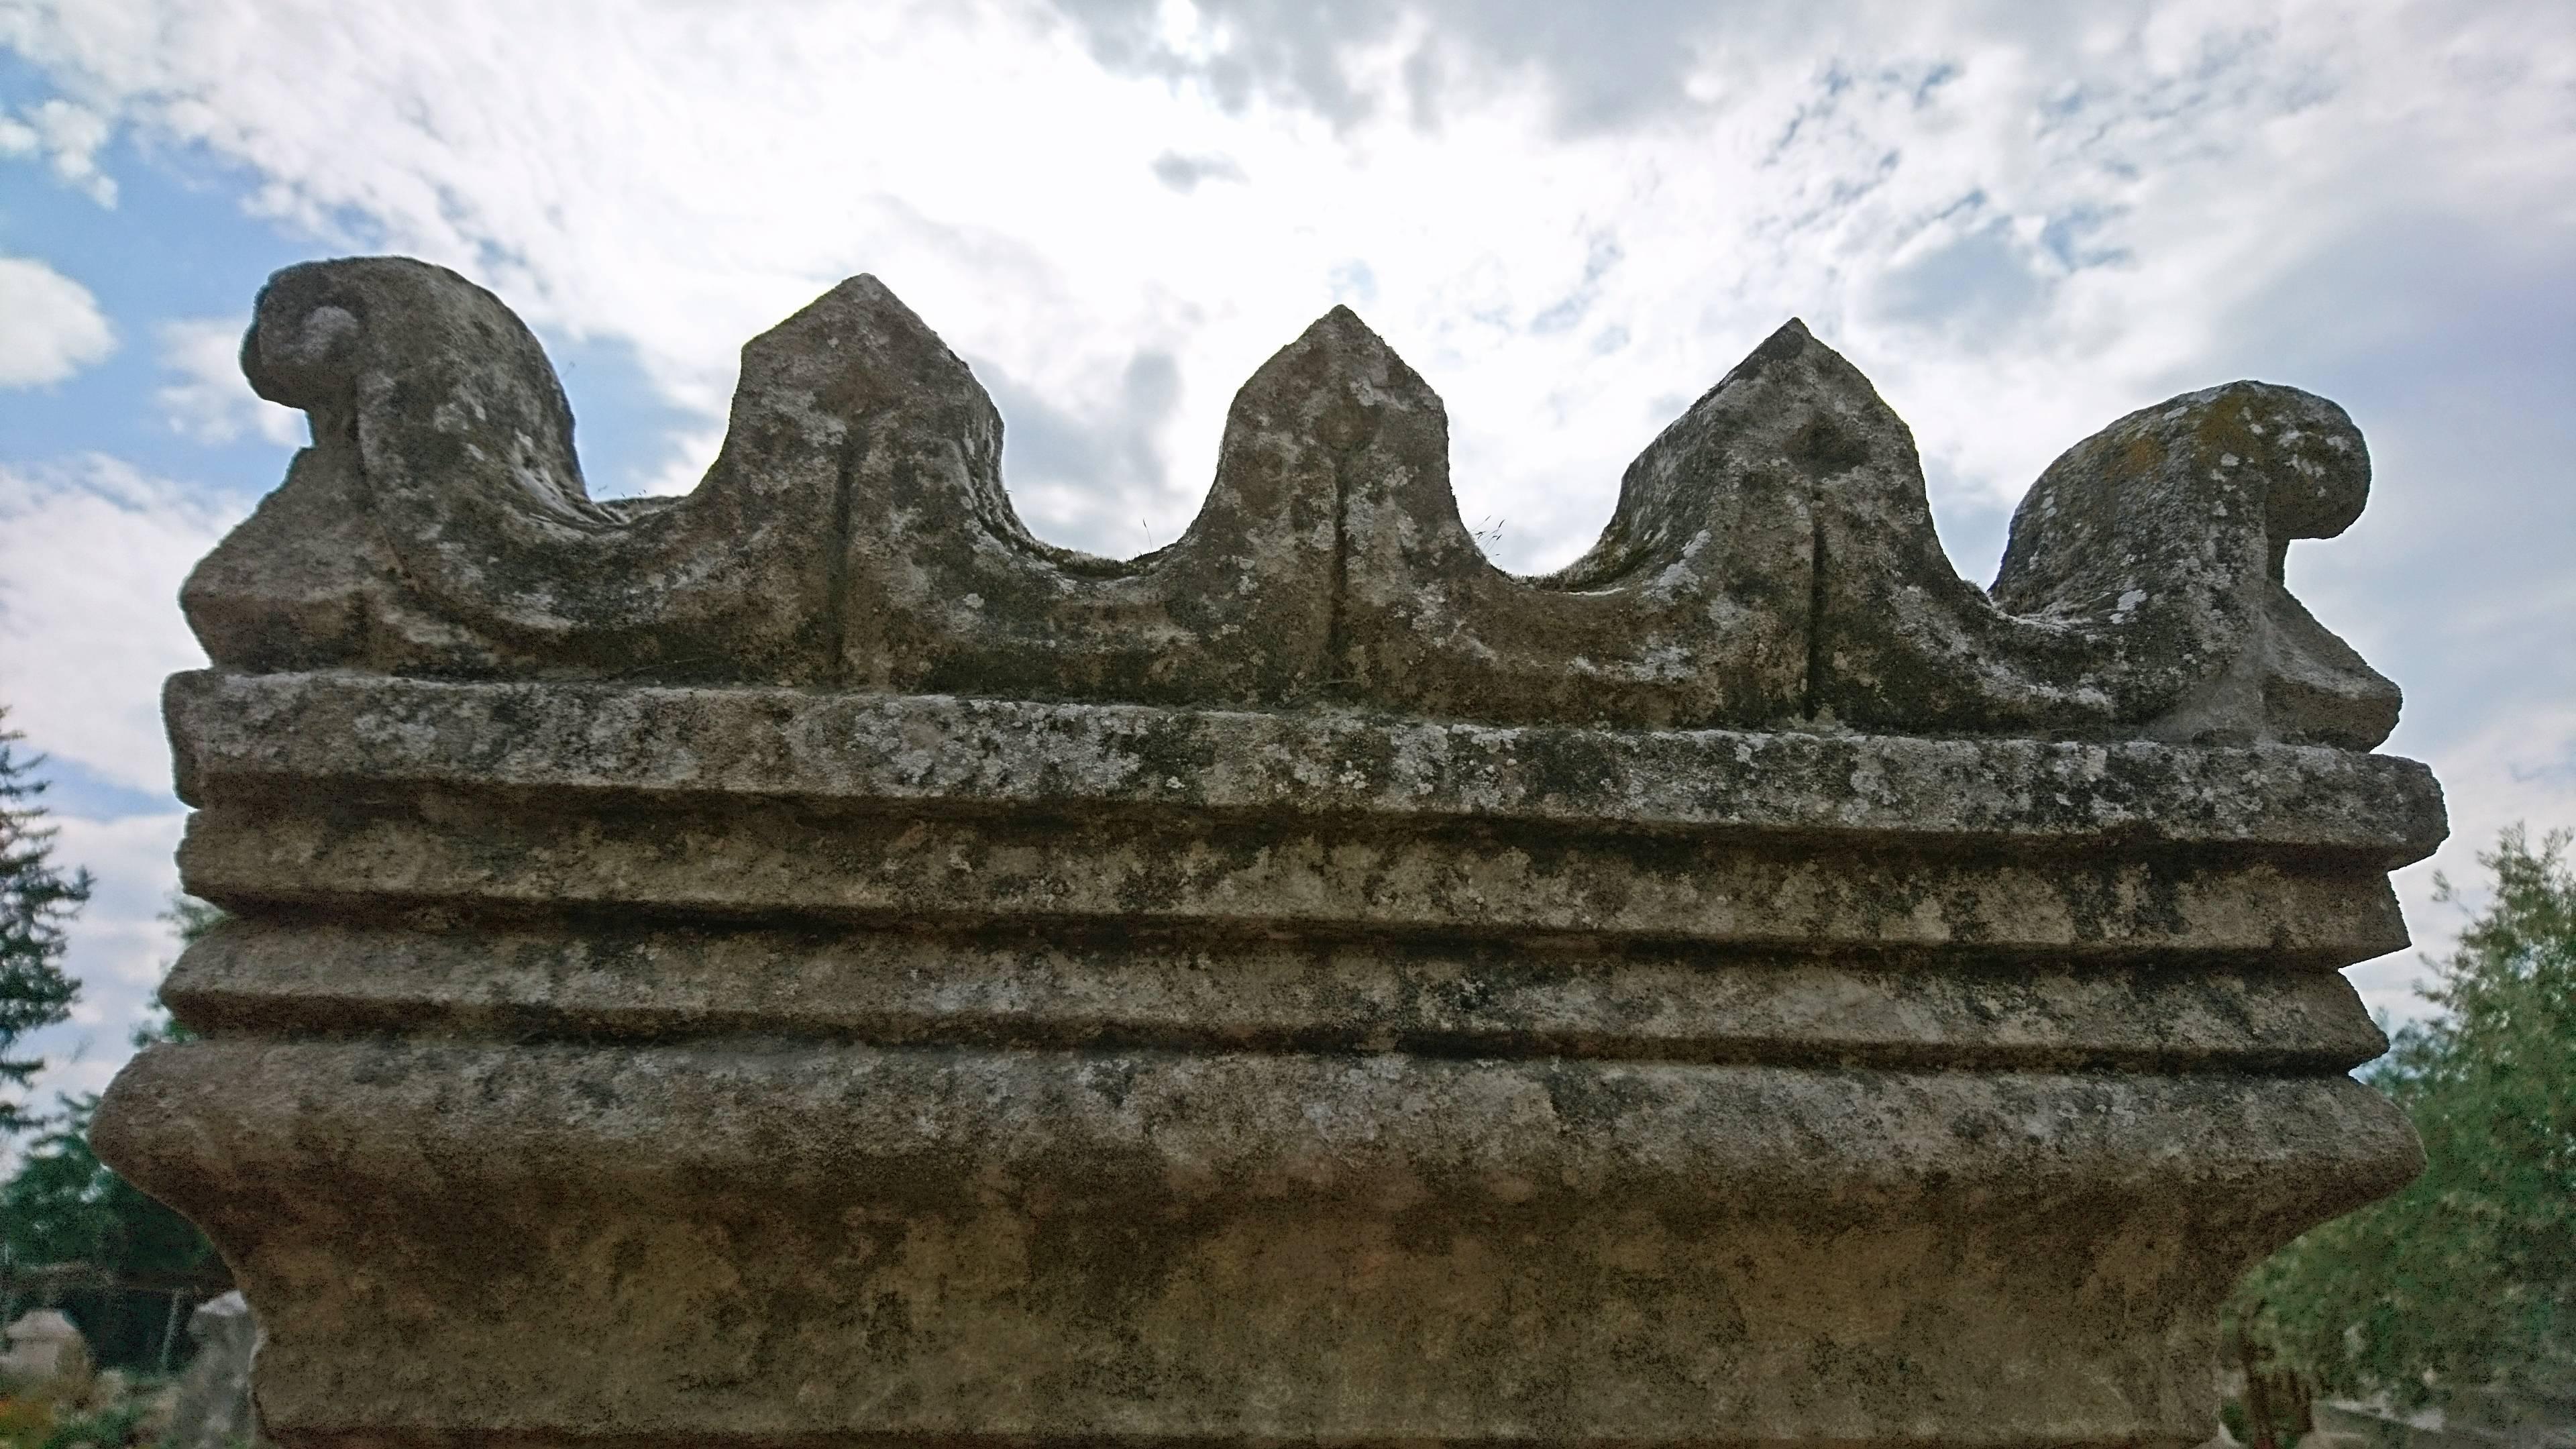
(808,963)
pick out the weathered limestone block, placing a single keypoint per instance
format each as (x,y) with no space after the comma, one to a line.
(808,963)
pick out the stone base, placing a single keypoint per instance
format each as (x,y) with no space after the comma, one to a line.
(1158,1246)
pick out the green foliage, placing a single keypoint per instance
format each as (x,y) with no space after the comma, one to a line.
(24,1421)
(113,1427)
(2469,1274)
(36,901)
(65,1206)
(39,1421)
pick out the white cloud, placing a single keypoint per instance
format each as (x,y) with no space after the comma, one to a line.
(50,325)
(2520,769)
(69,136)
(91,557)
(209,400)
(2080,205)
(686,459)
(117,947)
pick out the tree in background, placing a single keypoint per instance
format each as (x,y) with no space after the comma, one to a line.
(65,1206)
(2469,1275)
(36,901)
(125,1268)
(143,1264)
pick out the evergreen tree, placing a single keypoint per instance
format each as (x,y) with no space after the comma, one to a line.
(36,900)
(2469,1274)
(64,1206)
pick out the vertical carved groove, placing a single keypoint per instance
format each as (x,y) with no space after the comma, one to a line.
(836,562)
(1817,647)
(1345,676)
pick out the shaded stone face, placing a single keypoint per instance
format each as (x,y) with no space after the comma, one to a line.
(809,963)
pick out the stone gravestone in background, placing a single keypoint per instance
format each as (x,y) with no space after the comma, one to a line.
(214,1408)
(47,1354)
(809,963)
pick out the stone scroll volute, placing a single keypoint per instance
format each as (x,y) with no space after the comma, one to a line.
(810,963)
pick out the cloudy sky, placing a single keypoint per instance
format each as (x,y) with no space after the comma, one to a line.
(2020,219)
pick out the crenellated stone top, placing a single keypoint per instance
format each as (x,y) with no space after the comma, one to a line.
(1771,563)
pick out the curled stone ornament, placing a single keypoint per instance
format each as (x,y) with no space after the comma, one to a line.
(810,963)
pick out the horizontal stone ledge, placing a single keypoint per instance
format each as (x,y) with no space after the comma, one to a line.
(256,1124)
(902,988)
(257,736)
(1117,874)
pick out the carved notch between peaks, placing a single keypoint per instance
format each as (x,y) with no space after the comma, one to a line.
(1771,561)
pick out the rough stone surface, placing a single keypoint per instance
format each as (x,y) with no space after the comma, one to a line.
(809,964)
